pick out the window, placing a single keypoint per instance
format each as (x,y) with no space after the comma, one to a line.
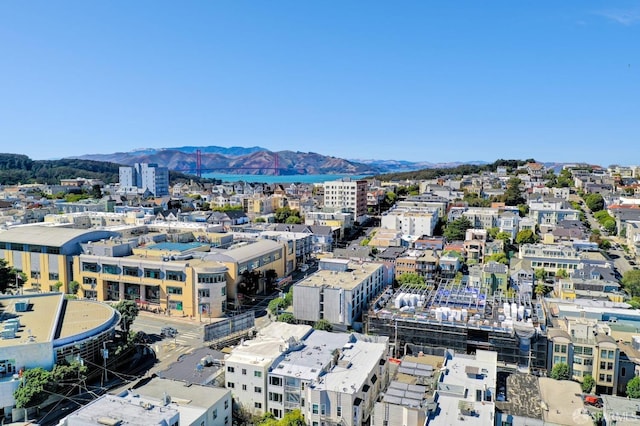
(130,271)
(215,414)
(560,348)
(601,377)
(152,273)
(204,292)
(276,397)
(231,385)
(231,369)
(54,276)
(226,404)
(174,290)
(174,276)
(257,389)
(588,351)
(609,378)
(110,269)
(226,420)
(244,371)
(257,373)
(339,411)
(624,371)
(314,409)
(244,387)
(257,405)
(89,267)
(275,381)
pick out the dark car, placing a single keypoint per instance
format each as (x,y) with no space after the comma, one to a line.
(168,332)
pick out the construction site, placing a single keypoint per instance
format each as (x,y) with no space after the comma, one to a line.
(452,316)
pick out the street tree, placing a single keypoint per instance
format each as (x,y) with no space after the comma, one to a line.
(561,371)
(587,383)
(631,282)
(633,387)
(595,202)
(35,387)
(287,317)
(128,310)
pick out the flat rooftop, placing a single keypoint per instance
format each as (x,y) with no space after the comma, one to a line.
(130,411)
(348,279)
(562,402)
(356,360)
(458,389)
(45,311)
(268,344)
(177,247)
(307,362)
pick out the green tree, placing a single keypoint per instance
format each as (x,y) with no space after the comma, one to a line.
(259,220)
(456,229)
(276,305)
(609,226)
(604,244)
(587,383)
(540,274)
(560,371)
(74,286)
(7,277)
(287,317)
(34,388)
(128,310)
(411,278)
(633,387)
(504,236)
(631,282)
(493,232)
(96,192)
(540,290)
(498,257)
(58,285)
(293,219)
(323,324)
(65,372)
(526,236)
(562,273)
(513,195)
(595,202)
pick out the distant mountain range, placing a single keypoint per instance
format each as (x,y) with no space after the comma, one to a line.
(259,161)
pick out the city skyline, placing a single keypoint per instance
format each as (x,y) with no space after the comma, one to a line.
(412,81)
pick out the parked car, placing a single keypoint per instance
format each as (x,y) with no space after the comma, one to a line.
(168,332)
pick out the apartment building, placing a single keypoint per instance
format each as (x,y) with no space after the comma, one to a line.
(248,366)
(411,220)
(146,177)
(482,217)
(551,212)
(550,257)
(347,195)
(338,292)
(466,392)
(587,346)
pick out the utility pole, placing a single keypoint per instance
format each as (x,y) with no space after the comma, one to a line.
(105,356)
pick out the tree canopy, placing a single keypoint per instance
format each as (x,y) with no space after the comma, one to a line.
(7,277)
(631,282)
(561,371)
(410,278)
(323,324)
(588,382)
(595,202)
(633,387)
(128,310)
(526,236)
(456,229)
(35,387)
(513,195)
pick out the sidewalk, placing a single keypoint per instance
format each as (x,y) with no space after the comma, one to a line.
(175,318)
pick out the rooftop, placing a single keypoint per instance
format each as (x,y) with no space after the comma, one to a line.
(562,402)
(521,396)
(349,279)
(268,344)
(356,361)
(466,390)
(53,236)
(313,356)
(621,411)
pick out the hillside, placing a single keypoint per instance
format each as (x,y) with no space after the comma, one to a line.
(252,161)
(15,168)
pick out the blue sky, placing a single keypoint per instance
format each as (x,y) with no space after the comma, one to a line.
(405,80)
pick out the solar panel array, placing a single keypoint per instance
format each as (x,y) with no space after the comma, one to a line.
(405,394)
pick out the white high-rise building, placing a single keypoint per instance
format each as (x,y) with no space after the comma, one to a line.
(145,176)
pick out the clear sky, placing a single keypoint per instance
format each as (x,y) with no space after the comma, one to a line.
(404,80)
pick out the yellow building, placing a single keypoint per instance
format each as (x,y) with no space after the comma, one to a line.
(45,253)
